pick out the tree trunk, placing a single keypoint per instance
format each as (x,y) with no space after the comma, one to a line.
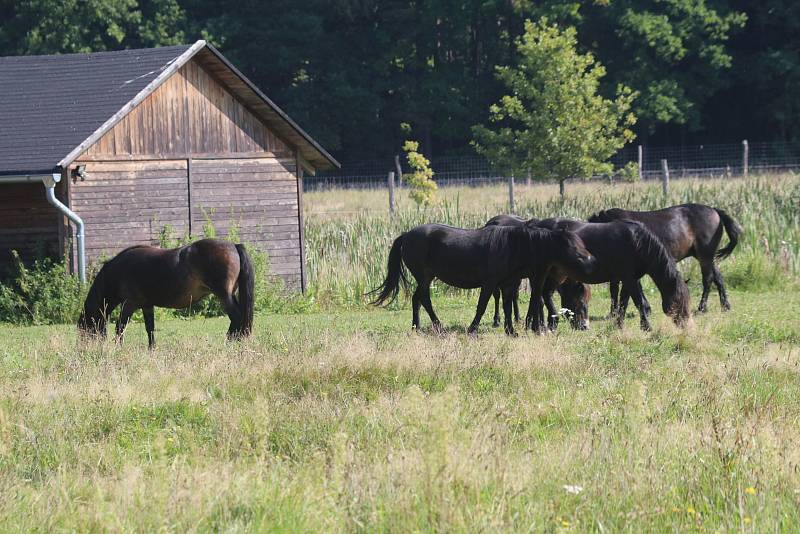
(561,188)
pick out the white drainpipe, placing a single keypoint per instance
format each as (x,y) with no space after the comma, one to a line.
(50,192)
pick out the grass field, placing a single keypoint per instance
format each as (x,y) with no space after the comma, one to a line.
(341,419)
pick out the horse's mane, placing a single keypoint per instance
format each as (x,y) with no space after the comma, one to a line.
(658,260)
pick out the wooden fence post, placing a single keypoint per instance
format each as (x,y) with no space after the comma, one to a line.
(399,170)
(641,162)
(745,158)
(511,194)
(528,179)
(391,191)
(664,177)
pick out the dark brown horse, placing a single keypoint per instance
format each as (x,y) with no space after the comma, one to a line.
(624,250)
(145,277)
(486,258)
(574,295)
(685,230)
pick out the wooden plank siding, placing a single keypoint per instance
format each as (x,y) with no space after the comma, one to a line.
(190,114)
(257,199)
(190,155)
(126,203)
(28,223)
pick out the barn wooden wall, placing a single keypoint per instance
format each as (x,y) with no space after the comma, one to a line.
(259,200)
(27,222)
(190,154)
(126,203)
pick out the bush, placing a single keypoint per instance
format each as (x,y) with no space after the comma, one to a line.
(41,294)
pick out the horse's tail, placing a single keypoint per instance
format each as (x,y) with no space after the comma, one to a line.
(734,233)
(246,283)
(388,290)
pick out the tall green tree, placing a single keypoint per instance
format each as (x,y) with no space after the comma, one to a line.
(553,122)
(65,26)
(675,53)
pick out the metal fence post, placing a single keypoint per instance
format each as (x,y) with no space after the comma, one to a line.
(664,177)
(745,158)
(641,162)
(391,191)
(511,194)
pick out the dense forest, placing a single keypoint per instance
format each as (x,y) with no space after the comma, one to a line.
(351,71)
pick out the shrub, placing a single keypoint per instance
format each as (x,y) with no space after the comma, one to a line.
(41,294)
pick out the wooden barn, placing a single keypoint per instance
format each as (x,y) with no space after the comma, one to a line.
(136,144)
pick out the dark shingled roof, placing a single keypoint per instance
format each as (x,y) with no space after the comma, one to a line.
(51,104)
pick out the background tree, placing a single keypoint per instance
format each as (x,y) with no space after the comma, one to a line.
(707,71)
(421,187)
(554,123)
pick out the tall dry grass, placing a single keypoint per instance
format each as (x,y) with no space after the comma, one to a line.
(346,248)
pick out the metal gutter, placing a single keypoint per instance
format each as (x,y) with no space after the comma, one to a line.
(22,178)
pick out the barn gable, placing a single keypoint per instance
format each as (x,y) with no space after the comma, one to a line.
(190,114)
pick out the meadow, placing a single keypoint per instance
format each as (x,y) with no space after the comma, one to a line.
(335,417)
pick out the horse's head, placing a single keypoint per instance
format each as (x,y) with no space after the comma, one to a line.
(675,300)
(570,253)
(94,316)
(575,297)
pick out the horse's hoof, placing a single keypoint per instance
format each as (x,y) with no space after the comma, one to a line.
(511,333)
(726,307)
(495,324)
(702,309)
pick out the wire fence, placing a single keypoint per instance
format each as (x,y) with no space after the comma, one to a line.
(690,161)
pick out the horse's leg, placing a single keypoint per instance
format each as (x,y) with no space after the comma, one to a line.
(508,306)
(516,303)
(723,295)
(232,310)
(613,289)
(416,302)
(639,300)
(426,302)
(125,314)
(483,300)
(552,311)
(622,305)
(150,325)
(496,320)
(707,270)
(535,317)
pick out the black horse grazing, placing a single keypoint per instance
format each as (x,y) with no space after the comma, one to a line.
(486,258)
(145,277)
(626,251)
(574,295)
(685,230)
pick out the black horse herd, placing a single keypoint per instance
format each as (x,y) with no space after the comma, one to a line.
(614,246)
(556,254)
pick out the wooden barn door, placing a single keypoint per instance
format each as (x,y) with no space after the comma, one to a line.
(254,200)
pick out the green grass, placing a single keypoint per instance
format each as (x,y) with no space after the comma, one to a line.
(337,418)
(348,421)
